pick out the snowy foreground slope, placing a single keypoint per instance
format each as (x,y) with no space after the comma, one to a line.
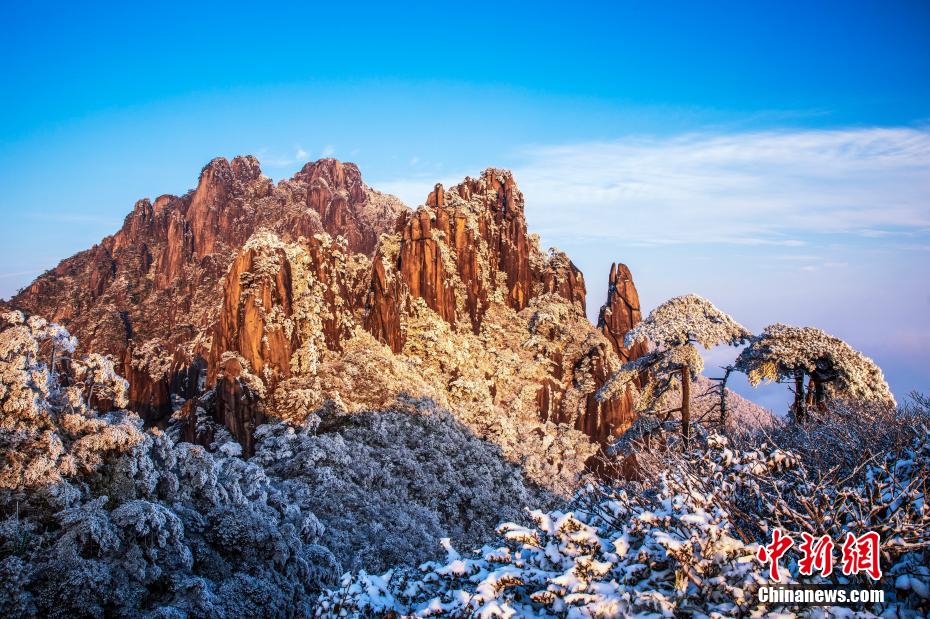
(672,548)
(103,518)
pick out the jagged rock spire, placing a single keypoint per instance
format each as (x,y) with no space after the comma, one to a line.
(621,312)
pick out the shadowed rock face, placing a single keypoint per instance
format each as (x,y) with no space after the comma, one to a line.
(236,406)
(282,276)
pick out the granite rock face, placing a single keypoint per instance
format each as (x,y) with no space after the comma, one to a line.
(468,247)
(244,300)
(621,312)
(152,287)
(464,249)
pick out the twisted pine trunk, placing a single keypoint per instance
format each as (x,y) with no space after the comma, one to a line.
(820,394)
(798,408)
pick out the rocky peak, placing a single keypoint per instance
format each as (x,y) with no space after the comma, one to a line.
(246,168)
(252,289)
(559,275)
(335,192)
(621,312)
(219,209)
(162,202)
(464,249)
(158,279)
(338,175)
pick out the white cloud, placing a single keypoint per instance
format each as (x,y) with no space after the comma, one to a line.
(750,188)
(773,188)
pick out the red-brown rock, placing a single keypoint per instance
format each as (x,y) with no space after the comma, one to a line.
(159,277)
(181,284)
(621,312)
(466,246)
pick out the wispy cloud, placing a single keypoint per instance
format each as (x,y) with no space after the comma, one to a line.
(763,188)
(71,218)
(773,188)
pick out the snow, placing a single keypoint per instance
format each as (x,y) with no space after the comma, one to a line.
(782,350)
(667,548)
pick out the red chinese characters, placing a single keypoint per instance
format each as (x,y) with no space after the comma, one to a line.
(861,554)
(817,554)
(770,554)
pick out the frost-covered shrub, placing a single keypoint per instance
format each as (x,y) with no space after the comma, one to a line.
(100,517)
(148,523)
(618,552)
(864,469)
(389,485)
(847,434)
(47,433)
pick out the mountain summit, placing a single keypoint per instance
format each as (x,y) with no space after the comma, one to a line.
(244,300)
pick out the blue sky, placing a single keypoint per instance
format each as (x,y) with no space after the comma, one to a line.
(774,157)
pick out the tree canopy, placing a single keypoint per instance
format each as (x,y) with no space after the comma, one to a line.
(783,352)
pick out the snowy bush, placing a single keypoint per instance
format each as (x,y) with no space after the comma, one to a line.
(389,485)
(617,552)
(100,517)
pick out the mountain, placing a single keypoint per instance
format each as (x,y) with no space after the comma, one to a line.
(244,300)
(148,294)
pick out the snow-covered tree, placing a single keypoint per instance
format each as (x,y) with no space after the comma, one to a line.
(100,380)
(674,329)
(833,367)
